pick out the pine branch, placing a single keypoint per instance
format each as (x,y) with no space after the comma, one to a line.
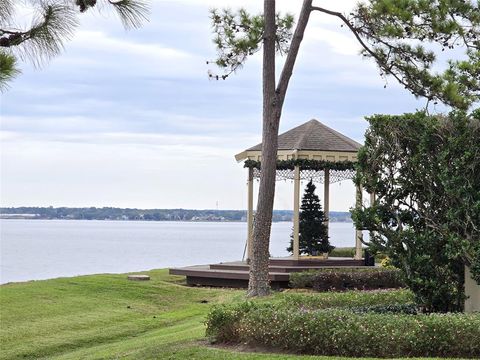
(8,69)
(52,25)
(387,30)
(132,13)
(6,11)
(388,68)
(239,35)
(293,52)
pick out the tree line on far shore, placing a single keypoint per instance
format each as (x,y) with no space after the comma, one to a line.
(112,213)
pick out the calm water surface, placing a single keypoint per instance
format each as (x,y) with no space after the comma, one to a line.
(44,249)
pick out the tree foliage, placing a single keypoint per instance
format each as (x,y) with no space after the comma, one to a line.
(424,171)
(313,232)
(239,35)
(53,23)
(8,68)
(402,37)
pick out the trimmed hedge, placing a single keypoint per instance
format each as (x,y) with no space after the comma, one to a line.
(411,309)
(345,299)
(343,332)
(344,252)
(226,316)
(344,279)
(350,252)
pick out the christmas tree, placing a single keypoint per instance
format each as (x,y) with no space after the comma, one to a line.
(313,232)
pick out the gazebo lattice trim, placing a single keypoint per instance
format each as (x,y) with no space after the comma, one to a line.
(308,174)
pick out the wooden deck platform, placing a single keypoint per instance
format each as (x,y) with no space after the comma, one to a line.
(235,273)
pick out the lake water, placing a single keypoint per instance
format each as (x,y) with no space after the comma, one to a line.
(44,249)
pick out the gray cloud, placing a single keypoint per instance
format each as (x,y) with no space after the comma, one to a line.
(131,119)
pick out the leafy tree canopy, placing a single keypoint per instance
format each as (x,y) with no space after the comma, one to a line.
(53,23)
(424,171)
(402,37)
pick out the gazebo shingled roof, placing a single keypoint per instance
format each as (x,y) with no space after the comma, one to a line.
(311,140)
(313,135)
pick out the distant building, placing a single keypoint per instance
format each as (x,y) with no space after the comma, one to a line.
(19,216)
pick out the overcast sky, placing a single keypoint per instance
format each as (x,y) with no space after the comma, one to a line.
(130,119)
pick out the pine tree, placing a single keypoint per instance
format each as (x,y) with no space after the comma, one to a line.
(313,236)
(399,35)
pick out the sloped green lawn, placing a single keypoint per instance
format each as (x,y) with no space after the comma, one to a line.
(109,317)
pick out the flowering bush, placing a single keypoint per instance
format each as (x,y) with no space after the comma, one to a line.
(346,332)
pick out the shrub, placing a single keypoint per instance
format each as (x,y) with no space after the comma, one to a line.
(343,252)
(343,279)
(411,309)
(225,318)
(346,299)
(350,253)
(424,171)
(342,332)
(387,263)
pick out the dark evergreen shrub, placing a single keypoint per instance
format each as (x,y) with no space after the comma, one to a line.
(345,279)
(313,232)
(424,171)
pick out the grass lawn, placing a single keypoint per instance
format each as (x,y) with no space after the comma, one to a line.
(109,317)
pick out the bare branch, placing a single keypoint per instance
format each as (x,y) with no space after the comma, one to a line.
(293,52)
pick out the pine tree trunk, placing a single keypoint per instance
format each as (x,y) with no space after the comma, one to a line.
(273,98)
(258,284)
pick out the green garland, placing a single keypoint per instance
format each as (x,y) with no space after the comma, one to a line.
(305,164)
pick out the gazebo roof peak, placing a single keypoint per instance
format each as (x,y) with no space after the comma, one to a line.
(313,136)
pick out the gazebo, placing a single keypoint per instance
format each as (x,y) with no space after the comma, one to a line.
(309,151)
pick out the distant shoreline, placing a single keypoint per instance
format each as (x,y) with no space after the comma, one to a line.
(2,217)
(128,214)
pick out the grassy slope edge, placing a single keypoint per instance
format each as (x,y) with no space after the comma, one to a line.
(107,316)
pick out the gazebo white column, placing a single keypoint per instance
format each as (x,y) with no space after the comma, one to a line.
(358,232)
(326,196)
(296,212)
(372,202)
(250,215)
(472,291)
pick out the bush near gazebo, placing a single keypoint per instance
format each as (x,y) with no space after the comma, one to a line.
(313,231)
(425,172)
(338,279)
(353,323)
